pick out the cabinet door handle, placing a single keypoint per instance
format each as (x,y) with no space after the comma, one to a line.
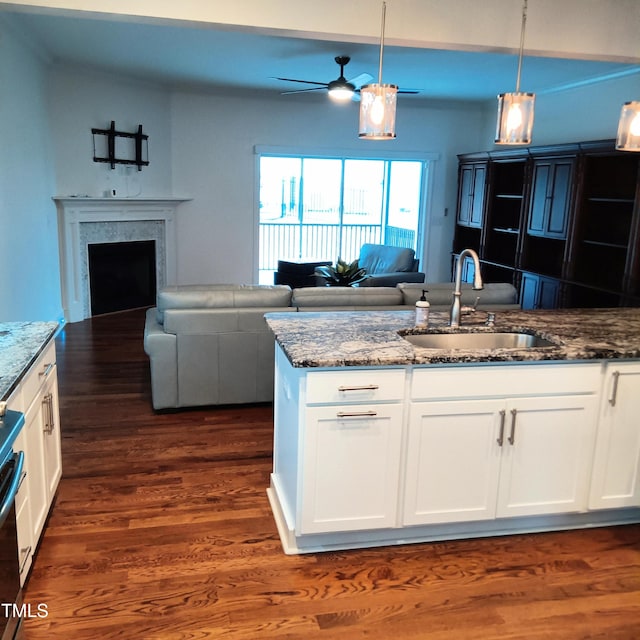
(45,411)
(47,369)
(500,440)
(25,553)
(364,387)
(53,413)
(47,403)
(614,391)
(512,436)
(356,414)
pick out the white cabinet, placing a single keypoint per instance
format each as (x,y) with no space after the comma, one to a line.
(350,467)
(337,448)
(351,450)
(39,439)
(546,455)
(452,466)
(498,456)
(616,467)
(391,455)
(23,513)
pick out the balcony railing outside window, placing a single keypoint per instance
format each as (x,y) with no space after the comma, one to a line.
(327,208)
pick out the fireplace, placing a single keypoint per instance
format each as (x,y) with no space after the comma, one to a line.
(122,275)
(88,226)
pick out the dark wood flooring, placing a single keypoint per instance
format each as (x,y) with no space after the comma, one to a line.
(162,530)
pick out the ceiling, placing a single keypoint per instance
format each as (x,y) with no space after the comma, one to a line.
(209,58)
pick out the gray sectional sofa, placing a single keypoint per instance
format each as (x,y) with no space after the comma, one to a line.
(210,344)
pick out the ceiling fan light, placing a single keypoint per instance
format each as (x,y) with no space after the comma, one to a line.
(515,118)
(341,91)
(378,111)
(628,138)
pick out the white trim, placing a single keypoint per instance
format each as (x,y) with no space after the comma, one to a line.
(79,223)
(428,159)
(379,153)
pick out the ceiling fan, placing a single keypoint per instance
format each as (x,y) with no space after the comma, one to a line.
(339,89)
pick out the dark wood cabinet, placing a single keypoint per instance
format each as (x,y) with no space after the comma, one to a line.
(539,292)
(550,197)
(605,249)
(472,180)
(561,222)
(505,211)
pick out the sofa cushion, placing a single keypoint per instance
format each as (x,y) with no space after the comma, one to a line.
(215,296)
(346,296)
(379,258)
(441,293)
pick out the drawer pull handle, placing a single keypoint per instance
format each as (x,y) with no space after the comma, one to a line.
(512,436)
(500,440)
(614,391)
(356,414)
(25,553)
(364,387)
(47,369)
(49,420)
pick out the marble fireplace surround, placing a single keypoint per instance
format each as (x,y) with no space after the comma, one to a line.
(85,221)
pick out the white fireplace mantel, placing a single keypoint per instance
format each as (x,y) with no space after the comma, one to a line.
(84,221)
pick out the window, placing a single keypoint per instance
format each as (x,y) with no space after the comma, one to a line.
(314,208)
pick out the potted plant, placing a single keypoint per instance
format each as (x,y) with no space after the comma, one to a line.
(343,274)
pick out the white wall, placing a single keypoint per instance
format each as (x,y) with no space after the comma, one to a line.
(29,276)
(82,100)
(213,144)
(202,146)
(603,29)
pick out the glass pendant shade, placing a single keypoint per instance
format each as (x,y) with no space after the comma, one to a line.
(515,118)
(378,111)
(628,138)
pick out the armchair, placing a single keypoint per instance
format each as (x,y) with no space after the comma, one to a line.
(387,266)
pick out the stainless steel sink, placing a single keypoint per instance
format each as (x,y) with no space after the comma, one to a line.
(471,341)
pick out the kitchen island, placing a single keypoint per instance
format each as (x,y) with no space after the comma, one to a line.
(380,442)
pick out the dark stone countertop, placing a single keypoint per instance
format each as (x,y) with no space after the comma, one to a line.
(20,344)
(370,338)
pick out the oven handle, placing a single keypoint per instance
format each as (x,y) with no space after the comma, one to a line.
(13,487)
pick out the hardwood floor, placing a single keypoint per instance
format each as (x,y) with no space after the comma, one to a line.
(162,530)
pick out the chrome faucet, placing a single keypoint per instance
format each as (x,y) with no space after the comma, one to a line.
(454,317)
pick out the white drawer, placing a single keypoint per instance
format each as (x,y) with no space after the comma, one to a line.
(39,372)
(355,386)
(502,381)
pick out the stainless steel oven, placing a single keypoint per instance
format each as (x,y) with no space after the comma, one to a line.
(10,476)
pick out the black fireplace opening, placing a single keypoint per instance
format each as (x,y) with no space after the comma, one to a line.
(122,275)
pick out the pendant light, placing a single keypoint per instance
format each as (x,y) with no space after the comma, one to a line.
(378,103)
(515,110)
(628,138)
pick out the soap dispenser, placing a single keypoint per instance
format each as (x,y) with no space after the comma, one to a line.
(422,311)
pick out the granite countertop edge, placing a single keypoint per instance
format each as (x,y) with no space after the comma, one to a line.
(372,338)
(20,345)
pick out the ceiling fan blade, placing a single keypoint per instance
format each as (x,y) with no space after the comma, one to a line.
(363,78)
(287,93)
(409,91)
(323,84)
